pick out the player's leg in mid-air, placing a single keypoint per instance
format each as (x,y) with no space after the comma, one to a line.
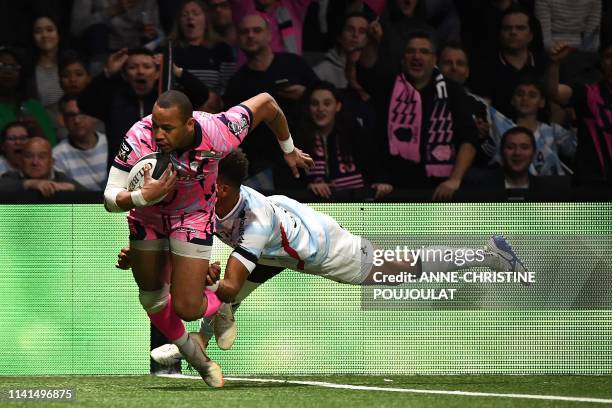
(496,254)
(355,260)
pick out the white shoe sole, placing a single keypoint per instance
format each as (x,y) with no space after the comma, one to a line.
(167,354)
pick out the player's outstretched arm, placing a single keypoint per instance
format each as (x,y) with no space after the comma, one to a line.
(265,109)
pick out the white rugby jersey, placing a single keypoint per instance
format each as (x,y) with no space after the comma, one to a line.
(276,231)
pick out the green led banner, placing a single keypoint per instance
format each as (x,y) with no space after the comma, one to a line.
(65,308)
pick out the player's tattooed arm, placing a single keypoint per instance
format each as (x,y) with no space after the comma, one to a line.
(265,109)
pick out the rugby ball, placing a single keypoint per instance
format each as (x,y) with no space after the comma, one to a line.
(156,163)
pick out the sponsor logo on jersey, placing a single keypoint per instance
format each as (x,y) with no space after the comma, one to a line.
(124,151)
(235,127)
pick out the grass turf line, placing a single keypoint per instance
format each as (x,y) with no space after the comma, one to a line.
(148,391)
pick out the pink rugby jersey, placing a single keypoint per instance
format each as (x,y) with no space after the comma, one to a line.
(195,190)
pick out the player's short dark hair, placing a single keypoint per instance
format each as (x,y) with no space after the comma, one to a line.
(234,168)
(515,130)
(172,98)
(423,35)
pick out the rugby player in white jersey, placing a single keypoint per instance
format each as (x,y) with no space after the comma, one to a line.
(270,234)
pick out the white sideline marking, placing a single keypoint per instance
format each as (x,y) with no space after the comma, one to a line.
(408,390)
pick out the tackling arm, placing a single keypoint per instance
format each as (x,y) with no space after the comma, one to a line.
(233,280)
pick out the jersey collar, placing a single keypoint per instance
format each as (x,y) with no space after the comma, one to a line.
(233,210)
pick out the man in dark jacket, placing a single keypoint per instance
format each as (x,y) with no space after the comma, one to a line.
(429,133)
(121,100)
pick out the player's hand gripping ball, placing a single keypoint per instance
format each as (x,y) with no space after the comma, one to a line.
(156,161)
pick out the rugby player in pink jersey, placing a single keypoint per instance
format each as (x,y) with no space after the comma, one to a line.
(176,234)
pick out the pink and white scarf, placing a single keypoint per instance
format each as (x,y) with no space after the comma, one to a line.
(404,126)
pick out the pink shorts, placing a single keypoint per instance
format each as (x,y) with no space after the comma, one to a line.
(187,235)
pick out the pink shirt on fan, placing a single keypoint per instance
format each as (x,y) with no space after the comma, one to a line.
(297,9)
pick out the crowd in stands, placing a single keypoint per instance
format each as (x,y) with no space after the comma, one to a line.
(457,100)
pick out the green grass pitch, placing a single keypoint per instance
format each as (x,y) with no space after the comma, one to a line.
(156,392)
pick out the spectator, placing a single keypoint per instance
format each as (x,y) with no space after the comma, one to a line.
(431,136)
(84,155)
(593,107)
(577,23)
(496,79)
(213,64)
(398,21)
(340,68)
(286,76)
(339,148)
(480,25)
(37,172)
(14,104)
(454,64)
(109,25)
(74,75)
(444,17)
(46,73)
(127,90)
(338,9)
(14,136)
(74,78)
(512,181)
(518,149)
(551,141)
(324,19)
(349,43)
(284,18)
(574,22)
(223,29)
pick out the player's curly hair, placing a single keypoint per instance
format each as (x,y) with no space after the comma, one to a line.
(234,168)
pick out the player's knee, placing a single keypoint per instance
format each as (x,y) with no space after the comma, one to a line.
(154,301)
(188,310)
